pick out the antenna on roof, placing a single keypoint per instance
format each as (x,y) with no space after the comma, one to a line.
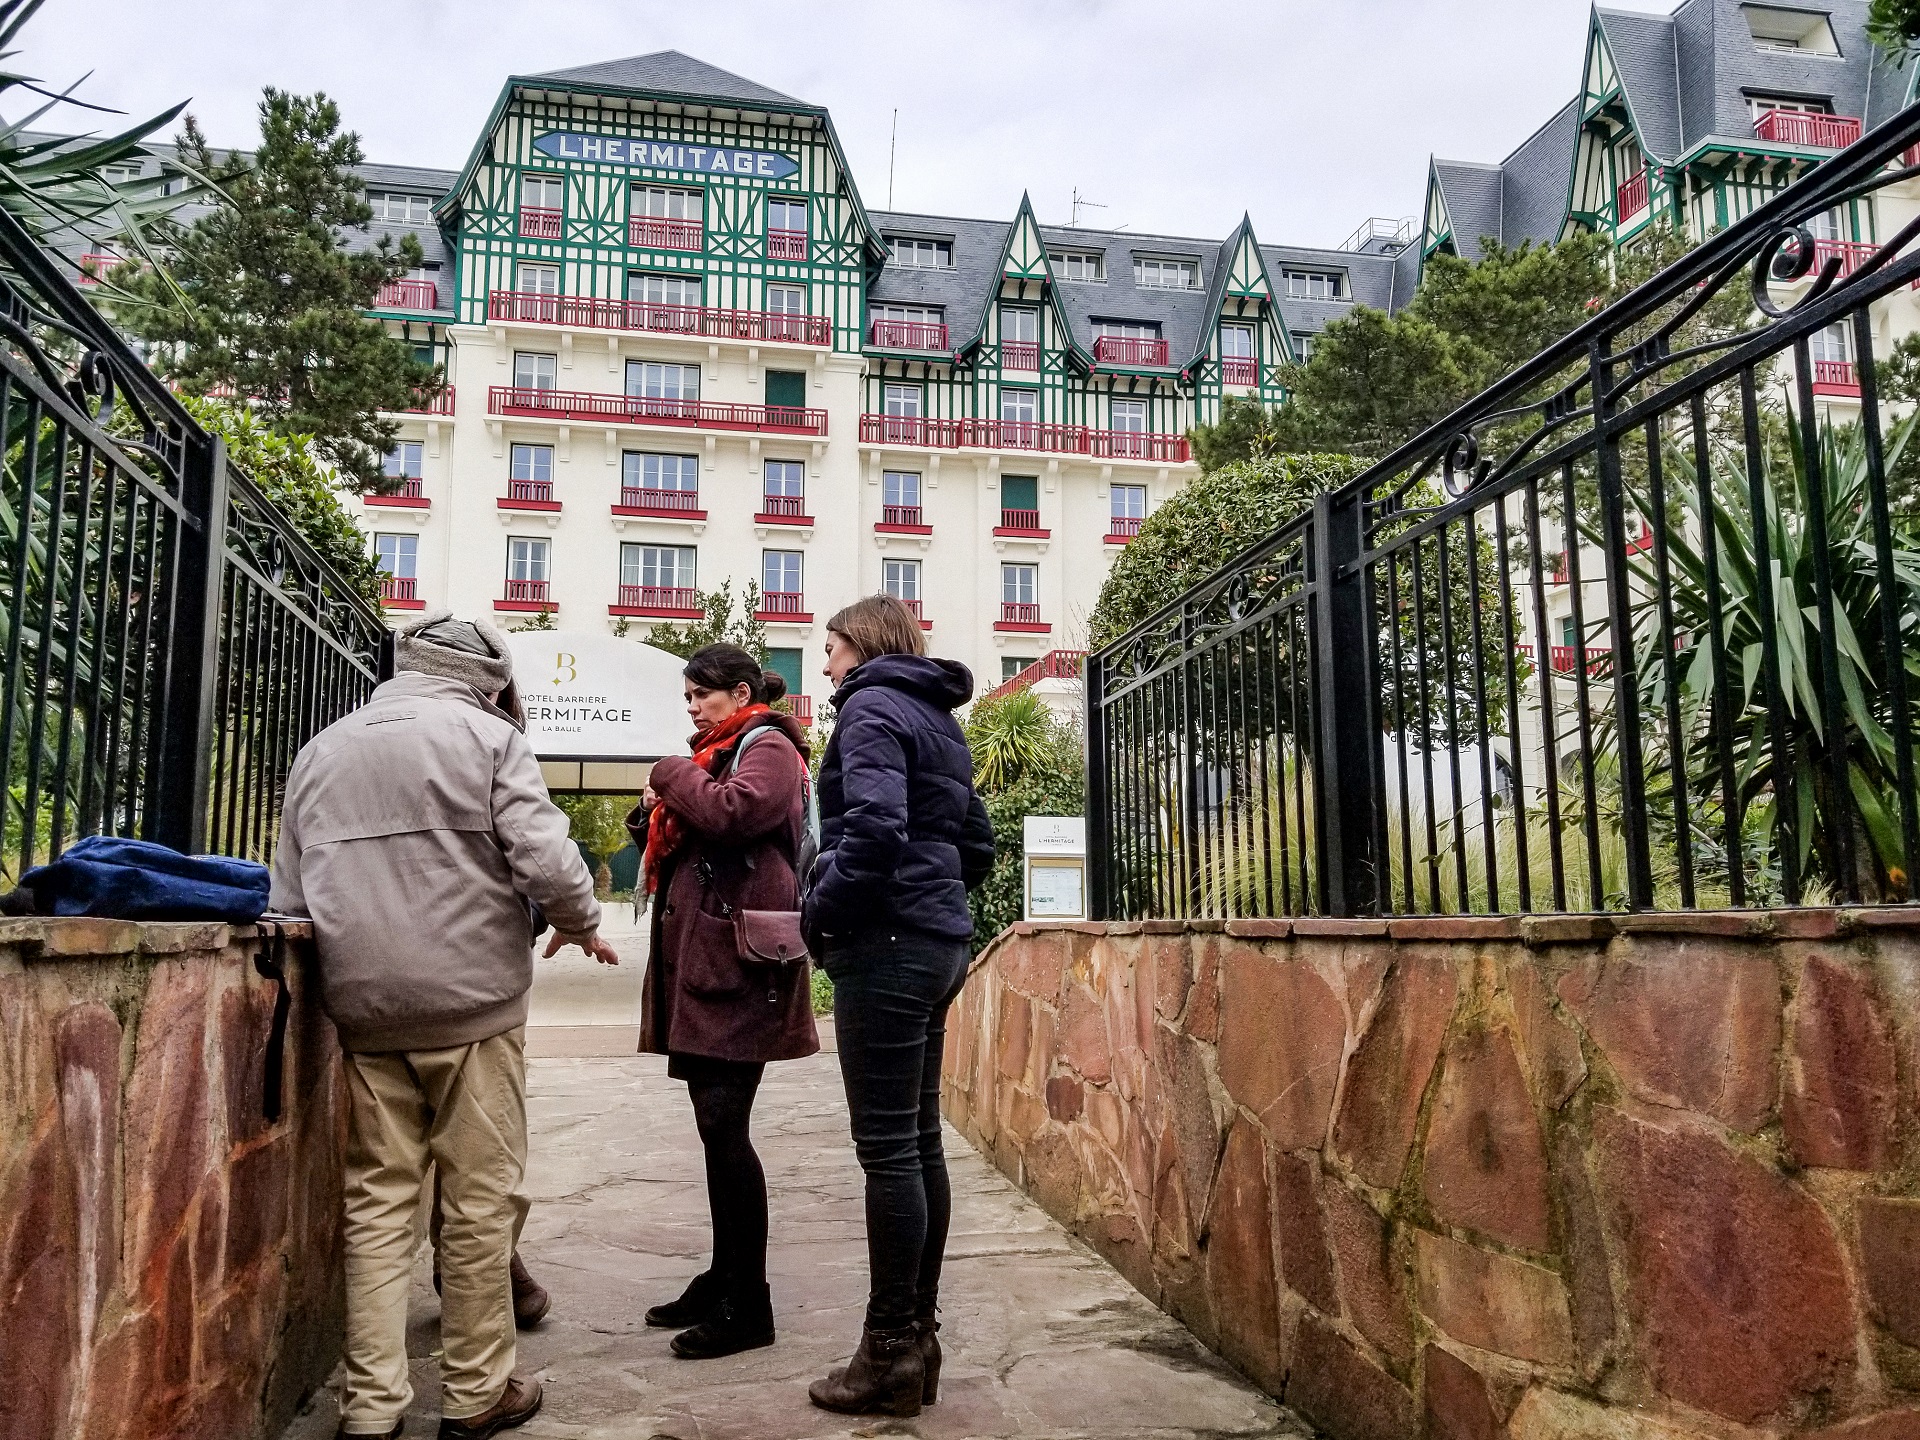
(1079,203)
(892,146)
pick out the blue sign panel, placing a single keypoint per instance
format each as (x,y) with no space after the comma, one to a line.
(666,155)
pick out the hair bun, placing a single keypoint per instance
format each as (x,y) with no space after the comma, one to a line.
(776,684)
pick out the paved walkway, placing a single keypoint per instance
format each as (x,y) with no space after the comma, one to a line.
(1043,1338)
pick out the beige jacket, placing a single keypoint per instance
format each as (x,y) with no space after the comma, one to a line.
(411,831)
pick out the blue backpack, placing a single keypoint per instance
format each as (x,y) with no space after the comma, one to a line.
(138,880)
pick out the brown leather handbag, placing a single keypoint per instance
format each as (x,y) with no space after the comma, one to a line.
(760,937)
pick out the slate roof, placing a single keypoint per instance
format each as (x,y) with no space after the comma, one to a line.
(1371,279)
(1473,201)
(1534,181)
(668,72)
(964,291)
(411,180)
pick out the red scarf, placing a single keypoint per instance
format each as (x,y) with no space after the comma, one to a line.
(666,831)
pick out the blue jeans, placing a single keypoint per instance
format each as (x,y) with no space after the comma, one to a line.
(891,991)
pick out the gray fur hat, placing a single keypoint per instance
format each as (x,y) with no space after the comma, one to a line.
(469,650)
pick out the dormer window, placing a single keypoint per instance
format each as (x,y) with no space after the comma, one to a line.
(1312,284)
(1084,265)
(1152,272)
(1793,104)
(1798,32)
(920,254)
(398,209)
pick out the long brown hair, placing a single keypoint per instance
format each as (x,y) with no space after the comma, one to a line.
(879,625)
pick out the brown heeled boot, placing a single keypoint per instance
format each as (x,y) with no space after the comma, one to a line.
(885,1377)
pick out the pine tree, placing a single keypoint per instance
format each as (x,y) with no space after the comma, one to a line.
(270,300)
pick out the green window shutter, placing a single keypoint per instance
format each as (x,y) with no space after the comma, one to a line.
(786,664)
(787,387)
(1019,492)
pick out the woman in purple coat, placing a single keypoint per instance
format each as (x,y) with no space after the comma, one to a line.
(721,833)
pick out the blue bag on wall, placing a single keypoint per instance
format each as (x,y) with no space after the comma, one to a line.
(138,880)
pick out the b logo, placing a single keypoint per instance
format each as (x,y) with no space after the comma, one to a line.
(564,662)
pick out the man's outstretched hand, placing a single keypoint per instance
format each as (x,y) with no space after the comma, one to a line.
(589,942)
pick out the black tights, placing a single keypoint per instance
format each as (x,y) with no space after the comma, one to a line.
(736,1184)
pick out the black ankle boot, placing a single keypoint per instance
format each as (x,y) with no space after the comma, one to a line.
(885,1377)
(743,1321)
(927,1326)
(700,1301)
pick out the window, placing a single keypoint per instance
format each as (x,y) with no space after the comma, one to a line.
(531,462)
(787,389)
(1761,104)
(542,192)
(1130,416)
(1022,493)
(900,488)
(1129,502)
(533,372)
(1829,345)
(403,461)
(780,572)
(901,579)
(785,480)
(1236,342)
(642,471)
(122,173)
(1086,265)
(1312,284)
(667,567)
(1303,346)
(902,400)
(910,314)
(423,353)
(787,215)
(526,559)
(919,254)
(1012,665)
(1803,32)
(1020,405)
(663,289)
(663,202)
(1020,326)
(1127,329)
(397,555)
(1019,584)
(651,381)
(786,299)
(539,279)
(786,662)
(1153,273)
(398,209)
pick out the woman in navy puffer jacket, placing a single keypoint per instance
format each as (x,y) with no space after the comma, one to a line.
(903,837)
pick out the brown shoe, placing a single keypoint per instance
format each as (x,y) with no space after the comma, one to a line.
(530,1299)
(886,1376)
(519,1404)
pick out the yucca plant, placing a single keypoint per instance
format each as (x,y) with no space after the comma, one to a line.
(1009,735)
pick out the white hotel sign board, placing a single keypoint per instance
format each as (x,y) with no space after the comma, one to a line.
(1055,848)
(597,702)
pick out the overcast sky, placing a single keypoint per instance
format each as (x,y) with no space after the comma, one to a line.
(1176,115)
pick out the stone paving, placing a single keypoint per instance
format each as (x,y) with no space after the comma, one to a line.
(1043,1339)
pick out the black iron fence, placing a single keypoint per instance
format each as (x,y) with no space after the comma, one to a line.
(169,640)
(1637,628)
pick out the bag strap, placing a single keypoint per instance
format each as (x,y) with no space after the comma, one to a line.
(705,870)
(270,961)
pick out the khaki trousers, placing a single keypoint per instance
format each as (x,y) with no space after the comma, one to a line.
(463,1110)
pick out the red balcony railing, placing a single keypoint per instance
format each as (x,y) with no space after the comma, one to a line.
(1851,254)
(675,599)
(436,404)
(1631,198)
(1119,350)
(1562,659)
(705,321)
(908,335)
(1019,355)
(409,295)
(783,602)
(536,492)
(397,587)
(1019,519)
(410,489)
(1021,435)
(1239,370)
(94,268)
(1122,528)
(900,515)
(914,606)
(527,592)
(800,707)
(538,224)
(1836,377)
(784,507)
(786,244)
(639,410)
(1014,613)
(673,502)
(1054,665)
(1804,128)
(649,232)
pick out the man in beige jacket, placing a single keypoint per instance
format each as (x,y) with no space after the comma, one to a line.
(415,831)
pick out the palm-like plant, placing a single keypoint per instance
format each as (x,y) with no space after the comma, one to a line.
(1009,736)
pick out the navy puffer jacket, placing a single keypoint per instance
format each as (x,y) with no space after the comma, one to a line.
(903,835)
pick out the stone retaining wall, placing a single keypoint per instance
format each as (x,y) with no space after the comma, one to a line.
(169,1258)
(1568,1176)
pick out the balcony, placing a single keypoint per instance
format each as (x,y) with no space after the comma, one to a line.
(914,430)
(1806,130)
(408,295)
(1836,377)
(1239,370)
(786,244)
(412,495)
(1019,355)
(705,322)
(1021,523)
(783,510)
(94,268)
(529,495)
(1631,198)
(787,607)
(1851,254)
(907,335)
(1120,350)
(648,232)
(666,602)
(800,707)
(438,403)
(1562,659)
(1054,665)
(903,520)
(1122,528)
(538,404)
(396,592)
(538,224)
(1022,618)
(672,504)
(525,595)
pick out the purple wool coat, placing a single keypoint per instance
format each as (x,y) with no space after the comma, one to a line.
(699,997)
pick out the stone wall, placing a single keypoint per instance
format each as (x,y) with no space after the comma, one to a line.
(1569,1176)
(169,1259)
